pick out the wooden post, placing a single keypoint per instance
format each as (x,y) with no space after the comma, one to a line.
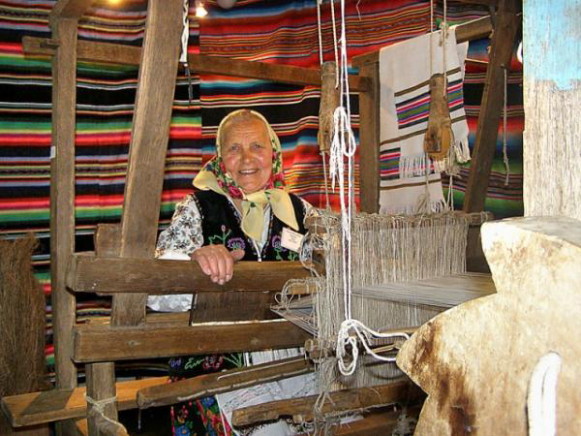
(62,194)
(507,23)
(369,138)
(149,137)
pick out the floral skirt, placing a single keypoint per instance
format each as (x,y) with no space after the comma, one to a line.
(202,416)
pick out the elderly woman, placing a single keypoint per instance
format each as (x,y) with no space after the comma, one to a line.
(239,211)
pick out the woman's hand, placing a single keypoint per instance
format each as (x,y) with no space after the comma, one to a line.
(217,261)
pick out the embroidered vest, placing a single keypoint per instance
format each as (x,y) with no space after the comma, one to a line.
(221,225)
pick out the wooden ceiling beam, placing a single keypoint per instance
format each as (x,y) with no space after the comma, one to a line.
(108,53)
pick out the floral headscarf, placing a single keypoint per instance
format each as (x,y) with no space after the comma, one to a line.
(214,177)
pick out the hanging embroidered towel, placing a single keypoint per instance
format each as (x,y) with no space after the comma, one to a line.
(405,69)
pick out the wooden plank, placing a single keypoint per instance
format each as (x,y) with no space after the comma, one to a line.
(507,23)
(158,276)
(339,401)
(369,140)
(37,408)
(110,53)
(73,9)
(101,343)
(147,150)
(475,29)
(107,240)
(211,384)
(7,430)
(62,196)
(382,423)
(87,51)
(82,427)
(261,70)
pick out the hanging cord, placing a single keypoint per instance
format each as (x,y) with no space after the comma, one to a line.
(184,51)
(445,28)
(343,149)
(505,128)
(335,44)
(320,32)
(542,396)
(423,205)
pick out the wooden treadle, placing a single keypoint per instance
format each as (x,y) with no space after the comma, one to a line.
(58,404)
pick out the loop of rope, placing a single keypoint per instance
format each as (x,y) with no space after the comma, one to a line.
(364,334)
(99,407)
(542,396)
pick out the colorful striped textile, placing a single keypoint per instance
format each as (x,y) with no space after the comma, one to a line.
(410,181)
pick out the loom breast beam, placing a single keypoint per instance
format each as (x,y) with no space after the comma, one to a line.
(485,351)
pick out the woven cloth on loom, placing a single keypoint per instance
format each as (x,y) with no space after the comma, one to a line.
(405,69)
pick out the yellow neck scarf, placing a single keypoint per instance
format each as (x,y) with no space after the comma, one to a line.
(253,205)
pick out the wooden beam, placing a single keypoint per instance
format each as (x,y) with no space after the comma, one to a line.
(264,71)
(87,51)
(369,140)
(157,276)
(36,408)
(103,343)
(340,401)
(62,196)
(475,29)
(109,53)
(469,31)
(211,384)
(98,389)
(73,9)
(147,150)
(507,24)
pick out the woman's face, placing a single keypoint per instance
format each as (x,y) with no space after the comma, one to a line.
(247,154)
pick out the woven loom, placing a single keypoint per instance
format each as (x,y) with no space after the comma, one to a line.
(405,270)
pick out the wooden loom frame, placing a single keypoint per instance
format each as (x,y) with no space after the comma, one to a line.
(129,247)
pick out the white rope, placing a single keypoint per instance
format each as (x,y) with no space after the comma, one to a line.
(504,129)
(99,407)
(335,44)
(185,33)
(364,334)
(320,32)
(343,149)
(542,396)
